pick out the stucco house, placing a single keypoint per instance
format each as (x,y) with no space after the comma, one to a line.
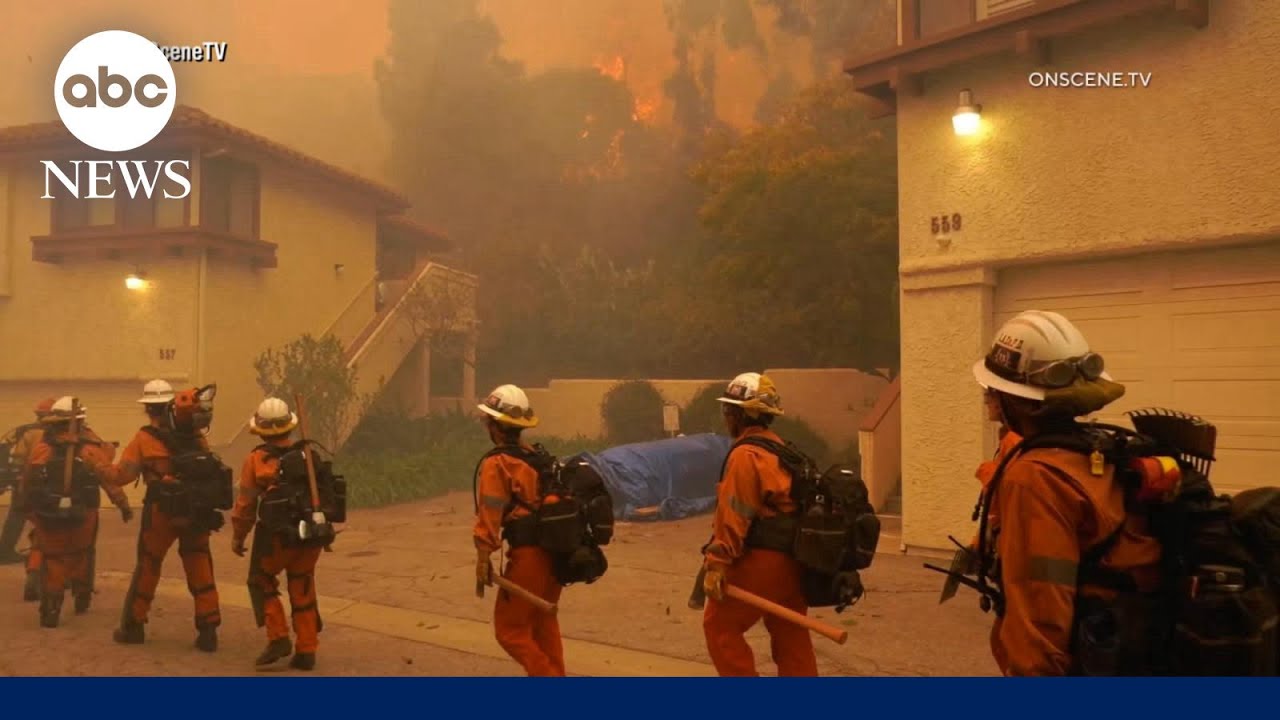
(269,244)
(1142,201)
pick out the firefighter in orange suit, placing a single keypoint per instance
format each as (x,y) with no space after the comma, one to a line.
(66,524)
(148,455)
(754,485)
(24,440)
(274,422)
(1053,506)
(507,491)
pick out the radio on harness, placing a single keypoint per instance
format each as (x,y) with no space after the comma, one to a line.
(572,520)
(833,533)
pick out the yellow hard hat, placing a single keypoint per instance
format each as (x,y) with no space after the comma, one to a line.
(754,393)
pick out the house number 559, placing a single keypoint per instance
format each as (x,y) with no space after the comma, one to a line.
(943,224)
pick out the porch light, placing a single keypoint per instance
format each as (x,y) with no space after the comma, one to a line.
(968,117)
(135,281)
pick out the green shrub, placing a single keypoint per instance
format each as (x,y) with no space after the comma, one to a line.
(315,368)
(632,413)
(702,413)
(392,459)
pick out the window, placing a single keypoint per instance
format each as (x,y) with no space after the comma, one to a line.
(229,193)
(939,16)
(71,213)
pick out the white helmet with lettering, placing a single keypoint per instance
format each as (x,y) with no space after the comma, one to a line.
(156,392)
(273,418)
(509,405)
(1035,352)
(755,393)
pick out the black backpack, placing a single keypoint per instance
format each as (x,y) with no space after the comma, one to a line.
(205,485)
(834,532)
(1215,612)
(47,495)
(287,502)
(573,519)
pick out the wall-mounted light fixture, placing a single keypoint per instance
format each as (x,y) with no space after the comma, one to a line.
(338,268)
(968,116)
(136,280)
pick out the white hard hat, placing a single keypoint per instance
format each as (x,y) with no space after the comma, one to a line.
(754,393)
(65,408)
(156,392)
(273,418)
(1036,351)
(509,405)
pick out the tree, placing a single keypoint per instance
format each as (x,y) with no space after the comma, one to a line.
(317,370)
(802,250)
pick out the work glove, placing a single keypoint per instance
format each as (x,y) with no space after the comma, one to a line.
(237,546)
(713,582)
(126,512)
(484,570)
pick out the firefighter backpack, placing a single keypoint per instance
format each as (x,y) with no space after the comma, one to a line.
(1215,612)
(55,501)
(574,517)
(204,484)
(835,531)
(286,508)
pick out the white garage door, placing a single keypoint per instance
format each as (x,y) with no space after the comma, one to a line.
(1192,331)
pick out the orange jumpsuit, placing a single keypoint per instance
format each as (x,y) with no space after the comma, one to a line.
(270,556)
(68,549)
(754,486)
(1052,510)
(20,452)
(529,635)
(149,457)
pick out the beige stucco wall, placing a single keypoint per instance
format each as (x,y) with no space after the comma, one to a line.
(74,328)
(831,400)
(249,310)
(1056,173)
(880,450)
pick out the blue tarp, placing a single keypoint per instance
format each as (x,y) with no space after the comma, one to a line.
(678,475)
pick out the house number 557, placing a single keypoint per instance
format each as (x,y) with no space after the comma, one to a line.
(167,353)
(943,224)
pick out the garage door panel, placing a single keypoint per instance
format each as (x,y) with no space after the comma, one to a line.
(1228,398)
(1197,332)
(1227,328)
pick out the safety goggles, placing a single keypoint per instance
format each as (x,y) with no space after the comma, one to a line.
(1054,374)
(512,411)
(271,423)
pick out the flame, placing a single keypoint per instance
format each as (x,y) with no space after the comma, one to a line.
(645,110)
(614,67)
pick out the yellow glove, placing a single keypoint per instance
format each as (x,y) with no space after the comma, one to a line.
(484,570)
(713,582)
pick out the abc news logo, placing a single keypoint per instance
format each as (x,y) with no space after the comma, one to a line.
(115,92)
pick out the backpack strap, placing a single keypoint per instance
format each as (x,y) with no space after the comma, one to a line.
(538,458)
(792,460)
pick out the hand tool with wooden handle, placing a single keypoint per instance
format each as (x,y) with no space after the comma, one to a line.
(830,632)
(523,594)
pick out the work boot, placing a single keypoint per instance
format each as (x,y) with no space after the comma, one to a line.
(83,599)
(276,650)
(31,589)
(207,640)
(130,633)
(50,610)
(303,661)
